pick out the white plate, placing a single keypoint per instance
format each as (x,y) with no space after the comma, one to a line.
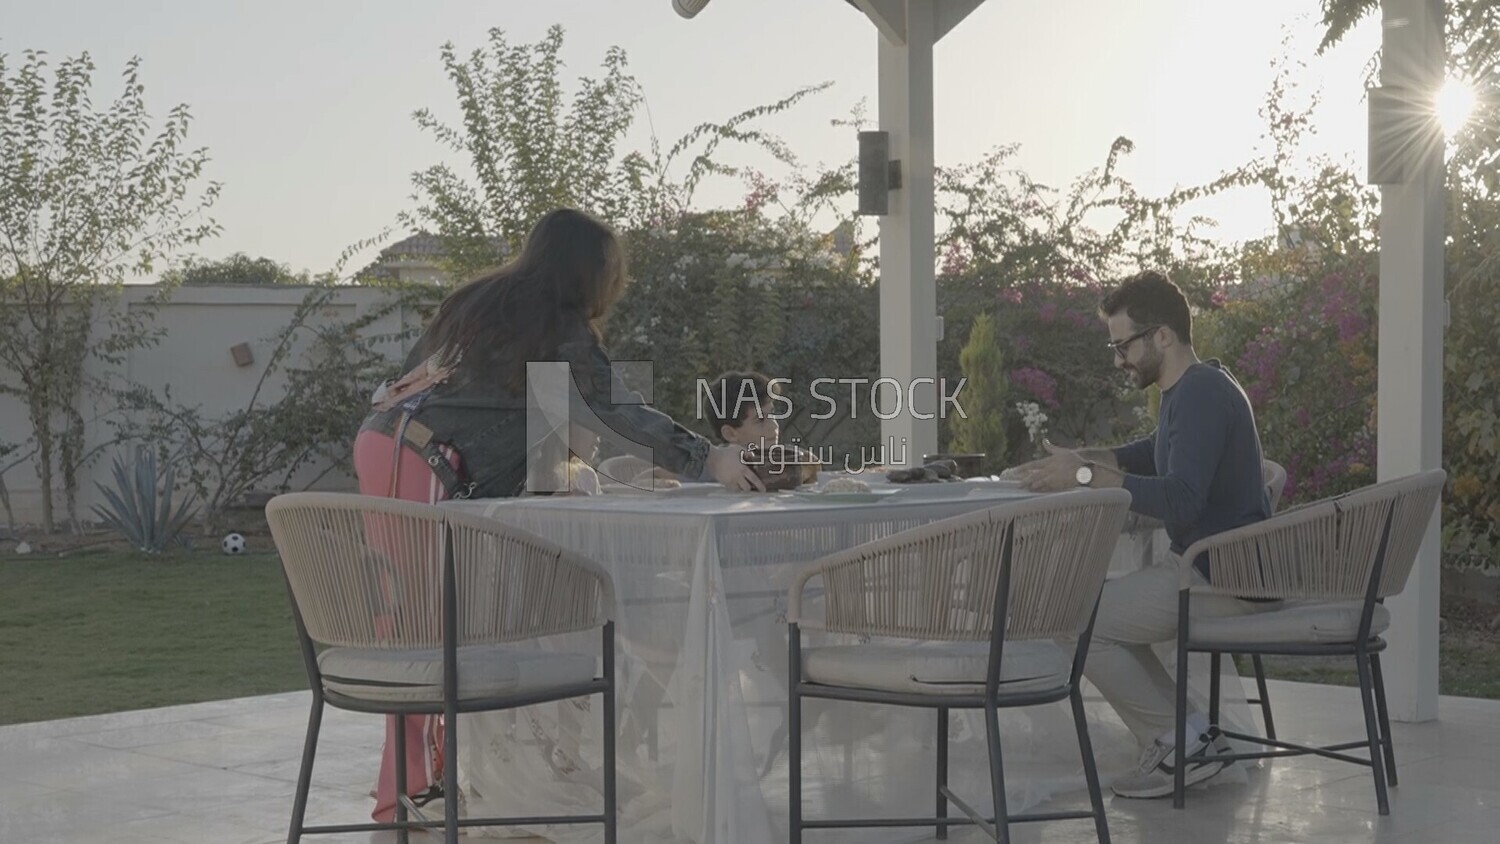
(692,489)
(622,489)
(846,497)
(937,488)
(992,483)
(953,489)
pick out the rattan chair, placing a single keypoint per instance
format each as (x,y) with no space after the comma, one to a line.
(985,595)
(406,608)
(1332,562)
(1274,475)
(1275,478)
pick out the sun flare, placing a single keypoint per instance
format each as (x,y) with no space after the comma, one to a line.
(1455,103)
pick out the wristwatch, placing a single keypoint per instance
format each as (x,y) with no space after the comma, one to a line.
(1085,474)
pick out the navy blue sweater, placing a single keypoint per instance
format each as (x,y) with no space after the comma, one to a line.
(1200,471)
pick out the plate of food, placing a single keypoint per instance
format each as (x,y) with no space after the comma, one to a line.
(938,471)
(783,467)
(844,491)
(845,497)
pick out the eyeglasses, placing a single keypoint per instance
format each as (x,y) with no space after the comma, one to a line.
(1120,346)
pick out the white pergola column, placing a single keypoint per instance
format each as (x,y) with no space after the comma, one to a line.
(908,293)
(1413,315)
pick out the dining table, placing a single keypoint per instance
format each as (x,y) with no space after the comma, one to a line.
(701,576)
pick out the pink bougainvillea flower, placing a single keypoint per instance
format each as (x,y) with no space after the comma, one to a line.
(1038,383)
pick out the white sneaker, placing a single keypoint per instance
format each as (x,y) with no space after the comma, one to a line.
(433,810)
(1153,776)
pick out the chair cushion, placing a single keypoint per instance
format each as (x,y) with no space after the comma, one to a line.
(1292,622)
(955,668)
(407,676)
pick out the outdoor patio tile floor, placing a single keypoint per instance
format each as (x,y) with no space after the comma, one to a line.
(223,771)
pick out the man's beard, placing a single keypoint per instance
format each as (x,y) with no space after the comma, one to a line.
(1145,373)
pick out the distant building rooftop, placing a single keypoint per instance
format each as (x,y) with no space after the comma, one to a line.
(417,257)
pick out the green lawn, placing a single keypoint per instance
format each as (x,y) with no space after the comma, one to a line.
(114,631)
(1468,653)
(1469,666)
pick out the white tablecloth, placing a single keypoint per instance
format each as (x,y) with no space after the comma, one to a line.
(702,582)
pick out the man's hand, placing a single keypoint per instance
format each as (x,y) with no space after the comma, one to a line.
(1021,471)
(1053,473)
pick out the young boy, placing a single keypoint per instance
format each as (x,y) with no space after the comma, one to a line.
(740,408)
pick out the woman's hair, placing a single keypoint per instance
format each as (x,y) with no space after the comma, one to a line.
(569,274)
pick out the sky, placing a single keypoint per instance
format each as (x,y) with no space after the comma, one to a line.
(306,107)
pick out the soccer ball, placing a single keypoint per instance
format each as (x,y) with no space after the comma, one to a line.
(234,543)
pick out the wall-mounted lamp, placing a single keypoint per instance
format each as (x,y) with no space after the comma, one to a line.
(1402,125)
(878,174)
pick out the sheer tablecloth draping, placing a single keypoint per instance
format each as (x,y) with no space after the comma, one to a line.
(702,578)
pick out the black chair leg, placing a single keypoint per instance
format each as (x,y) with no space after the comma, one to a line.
(1214,688)
(451,792)
(997,775)
(794,741)
(1265,697)
(1385,720)
(1179,753)
(1372,730)
(304,774)
(1090,769)
(611,730)
(403,835)
(942,770)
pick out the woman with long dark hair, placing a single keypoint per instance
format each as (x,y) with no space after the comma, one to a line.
(456,425)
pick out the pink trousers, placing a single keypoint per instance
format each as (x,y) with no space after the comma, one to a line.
(380,472)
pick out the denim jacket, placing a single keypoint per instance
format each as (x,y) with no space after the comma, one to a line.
(485,421)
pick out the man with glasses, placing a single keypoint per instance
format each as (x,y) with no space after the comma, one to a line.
(1199,473)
